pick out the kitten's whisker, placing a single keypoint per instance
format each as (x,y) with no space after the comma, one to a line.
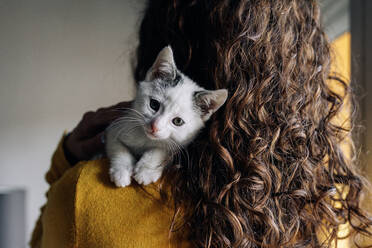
(124,120)
(169,148)
(127,118)
(119,127)
(131,110)
(182,151)
(128,131)
(186,153)
(173,149)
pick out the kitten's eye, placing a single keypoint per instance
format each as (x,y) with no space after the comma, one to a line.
(154,104)
(178,121)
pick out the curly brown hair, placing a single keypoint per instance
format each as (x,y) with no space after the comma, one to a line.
(268,170)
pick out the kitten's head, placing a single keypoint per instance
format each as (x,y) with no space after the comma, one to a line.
(174,108)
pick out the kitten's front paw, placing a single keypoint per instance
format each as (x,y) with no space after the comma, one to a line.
(146,176)
(120,176)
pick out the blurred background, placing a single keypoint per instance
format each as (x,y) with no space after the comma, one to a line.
(59,59)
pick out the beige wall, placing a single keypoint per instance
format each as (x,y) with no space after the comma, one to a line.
(58,59)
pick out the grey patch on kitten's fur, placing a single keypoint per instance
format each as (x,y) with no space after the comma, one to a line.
(167,82)
(177,80)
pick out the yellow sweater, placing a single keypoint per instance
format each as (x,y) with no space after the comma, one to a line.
(84,209)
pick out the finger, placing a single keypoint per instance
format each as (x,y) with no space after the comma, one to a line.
(93,146)
(96,122)
(108,114)
(117,106)
(93,123)
(124,104)
(105,116)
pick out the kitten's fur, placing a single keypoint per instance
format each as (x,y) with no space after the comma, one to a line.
(168,112)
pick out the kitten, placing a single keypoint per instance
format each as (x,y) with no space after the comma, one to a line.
(168,112)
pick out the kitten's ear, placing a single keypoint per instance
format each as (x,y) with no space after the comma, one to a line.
(164,66)
(209,101)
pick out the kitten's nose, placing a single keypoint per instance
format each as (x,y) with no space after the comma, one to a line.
(154,129)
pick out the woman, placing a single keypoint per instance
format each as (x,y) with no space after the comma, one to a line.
(267,171)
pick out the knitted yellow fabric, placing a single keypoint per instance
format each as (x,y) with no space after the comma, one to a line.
(84,209)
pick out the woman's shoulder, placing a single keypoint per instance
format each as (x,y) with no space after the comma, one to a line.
(93,177)
(109,216)
(103,215)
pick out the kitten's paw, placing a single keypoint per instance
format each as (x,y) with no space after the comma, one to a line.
(120,176)
(146,176)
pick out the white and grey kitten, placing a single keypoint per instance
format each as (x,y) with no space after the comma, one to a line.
(169,110)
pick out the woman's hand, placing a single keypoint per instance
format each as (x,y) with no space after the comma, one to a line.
(86,140)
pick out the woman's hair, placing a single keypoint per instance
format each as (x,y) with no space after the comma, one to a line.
(269,169)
